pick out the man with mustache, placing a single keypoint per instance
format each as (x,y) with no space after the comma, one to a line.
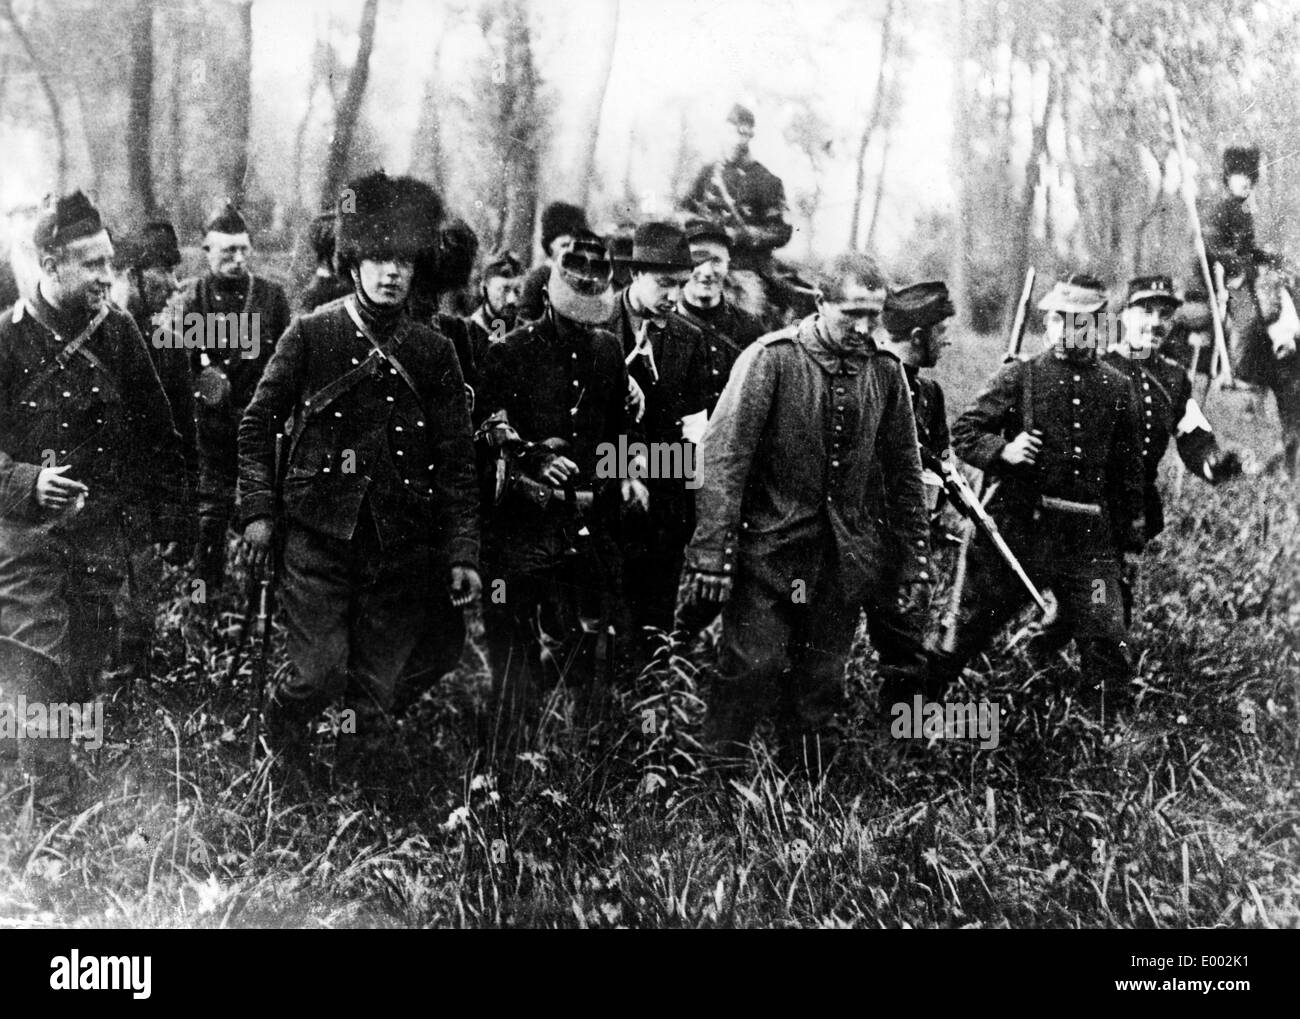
(1060,432)
(225,379)
(379,523)
(498,308)
(90,460)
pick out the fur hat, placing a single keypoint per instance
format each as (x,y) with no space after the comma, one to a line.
(381,216)
(153,246)
(226,220)
(1241,159)
(68,218)
(560,218)
(457,250)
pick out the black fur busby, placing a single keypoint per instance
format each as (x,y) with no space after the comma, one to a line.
(457,251)
(68,218)
(560,218)
(1241,159)
(378,216)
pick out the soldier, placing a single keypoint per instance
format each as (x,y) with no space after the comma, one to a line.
(787,539)
(150,257)
(1230,227)
(743,194)
(727,328)
(379,528)
(90,461)
(1059,433)
(553,395)
(915,321)
(499,304)
(325,285)
(668,360)
(225,377)
(561,224)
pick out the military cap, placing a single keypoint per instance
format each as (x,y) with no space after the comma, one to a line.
(741,116)
(559,219)
(153,246)
(1150,288)
(1078,294)
(226,220)
(918,306)
(659,247)
(1241,159)
(503,264)
(699,230)
(580,284)
(68,218)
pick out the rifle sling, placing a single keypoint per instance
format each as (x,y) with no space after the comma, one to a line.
(75,346)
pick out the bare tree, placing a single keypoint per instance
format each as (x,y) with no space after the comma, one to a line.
(51,98)
(139,123)
(349,109)
(593,102)
(873,122)
(241,104)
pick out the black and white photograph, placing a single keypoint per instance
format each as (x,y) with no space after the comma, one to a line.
(569,464)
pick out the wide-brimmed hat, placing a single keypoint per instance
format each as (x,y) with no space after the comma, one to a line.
(580,285)
(660,247)
(1150,288)
(1078,294)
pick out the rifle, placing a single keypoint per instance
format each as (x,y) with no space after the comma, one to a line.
(964,497)
(266,602)
(1198,237)
(978,501)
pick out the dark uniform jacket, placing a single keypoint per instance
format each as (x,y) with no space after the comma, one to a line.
(408,455)
(568,384)
(750,200)
(787,460)
(931,414)
(1091,453)
(218,423)
(725,331)
(173,369)
(1168,411)
(105,415)
(1229,231)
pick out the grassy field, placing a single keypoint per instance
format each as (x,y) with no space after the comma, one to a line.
(1189,816)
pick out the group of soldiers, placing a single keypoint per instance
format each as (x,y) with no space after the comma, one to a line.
(393,464)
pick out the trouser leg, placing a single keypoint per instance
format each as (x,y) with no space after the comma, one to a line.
(1286,390)
(897,631)
(819,652)
(1092,607)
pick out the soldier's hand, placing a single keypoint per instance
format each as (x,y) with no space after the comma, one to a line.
(255,548)
(713,588)
(1023,449)
(558,471)
(54,491)
(635,493)
(465,586)
(635,399)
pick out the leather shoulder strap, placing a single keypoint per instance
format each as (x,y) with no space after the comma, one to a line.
(60,360)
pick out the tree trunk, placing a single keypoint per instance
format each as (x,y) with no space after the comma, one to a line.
(880,191)
(1025,230)
(51,99)
(241,104)
(519,98)
(176,121)
(873,122)
(590,114)
(345,123)
(961,137)
(139,121)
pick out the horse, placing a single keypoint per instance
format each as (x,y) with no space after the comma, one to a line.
(1261,328)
